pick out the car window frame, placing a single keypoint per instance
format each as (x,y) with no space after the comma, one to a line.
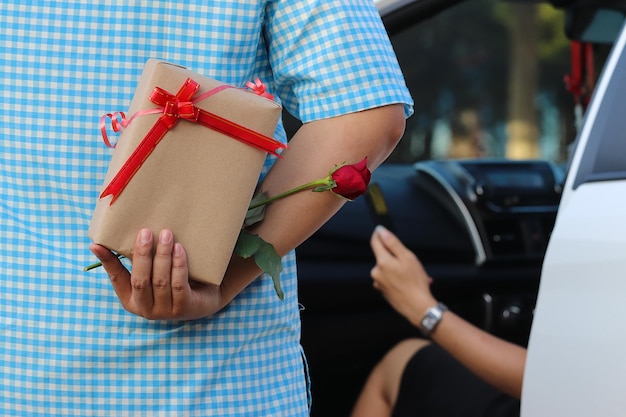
(600,125)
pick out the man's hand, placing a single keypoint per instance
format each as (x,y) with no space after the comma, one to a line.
(159,287)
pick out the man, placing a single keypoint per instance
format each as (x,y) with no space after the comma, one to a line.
(172,346)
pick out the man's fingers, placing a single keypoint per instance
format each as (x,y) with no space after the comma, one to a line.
(159,286)
(180,286)
(161,272)
(119,275)
(140,279)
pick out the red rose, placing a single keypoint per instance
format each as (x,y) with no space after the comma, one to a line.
(351,180)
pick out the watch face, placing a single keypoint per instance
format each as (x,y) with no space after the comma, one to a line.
(429,321)
(432,317)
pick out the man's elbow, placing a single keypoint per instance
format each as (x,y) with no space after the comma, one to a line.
(397,124)
(392,123)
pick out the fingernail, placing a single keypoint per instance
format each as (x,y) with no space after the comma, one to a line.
(145,235)
(165,236)
(178,250)
(380,229)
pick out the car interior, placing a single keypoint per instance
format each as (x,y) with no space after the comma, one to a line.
(477,214)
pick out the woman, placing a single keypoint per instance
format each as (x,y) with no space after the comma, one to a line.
(465,372)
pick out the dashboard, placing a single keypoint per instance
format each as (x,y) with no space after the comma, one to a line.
(480,228)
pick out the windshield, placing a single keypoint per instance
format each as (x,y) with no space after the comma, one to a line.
(487,78)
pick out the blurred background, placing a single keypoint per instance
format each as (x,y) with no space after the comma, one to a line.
(492,79)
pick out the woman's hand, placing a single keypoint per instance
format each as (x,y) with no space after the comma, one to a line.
(159,287)
(400,277)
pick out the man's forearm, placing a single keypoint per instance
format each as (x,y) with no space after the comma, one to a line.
(315,149)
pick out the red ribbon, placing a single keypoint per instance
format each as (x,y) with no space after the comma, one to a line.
(259,88)
(173,109)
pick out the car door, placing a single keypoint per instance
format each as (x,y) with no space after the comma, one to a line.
(576,364)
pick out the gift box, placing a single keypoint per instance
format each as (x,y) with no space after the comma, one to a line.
(188,159)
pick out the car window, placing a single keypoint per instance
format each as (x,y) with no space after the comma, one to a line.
(487,78)
(605,154)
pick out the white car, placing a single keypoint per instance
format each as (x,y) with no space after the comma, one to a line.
(481,223)
(576,364)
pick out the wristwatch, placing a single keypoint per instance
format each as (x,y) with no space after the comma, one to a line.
(432,318)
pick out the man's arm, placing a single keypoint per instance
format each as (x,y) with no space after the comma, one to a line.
(159,287)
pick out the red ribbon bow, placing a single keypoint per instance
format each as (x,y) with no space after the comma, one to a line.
(258,87)
(174,108)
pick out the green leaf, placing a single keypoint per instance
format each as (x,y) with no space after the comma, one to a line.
(265,257)
(247,244)
(268,260)
(256,214)
(259,197)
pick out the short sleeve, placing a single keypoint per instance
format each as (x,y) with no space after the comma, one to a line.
(331,58)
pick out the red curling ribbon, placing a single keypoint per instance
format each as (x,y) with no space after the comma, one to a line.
(173,108)
(258,87)
(118,122)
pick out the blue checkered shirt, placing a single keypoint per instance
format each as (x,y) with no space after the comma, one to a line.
(66,345)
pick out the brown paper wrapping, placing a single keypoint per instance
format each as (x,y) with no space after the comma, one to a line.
(196,182)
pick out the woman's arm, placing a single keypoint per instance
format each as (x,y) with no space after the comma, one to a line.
(400,277)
